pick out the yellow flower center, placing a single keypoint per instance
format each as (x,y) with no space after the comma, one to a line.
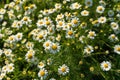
(30,55)
(47,22)
(25,19)
(60,23)
(47,44)
(106,65)
(118,49)
(75,21)
(63,69)
(40,36)
(42,73)
(70,33)
(54,47)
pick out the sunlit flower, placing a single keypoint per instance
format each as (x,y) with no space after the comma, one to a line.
(88,49)
(30,55)
(114,25)
(29,45)
(42,73)
(58,6)
(26,20)
(19,36)
(41,64)
(10,67)
(55,48)
(117,49)
(69,34)
(100,9)
(7,52)
(85,13)
(102,20)
(105,65)
(91,34)
(63,70)
(113,37)
(75,5)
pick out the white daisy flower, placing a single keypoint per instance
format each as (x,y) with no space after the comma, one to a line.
(102,20)
(113,37)
(7,52)
(29,45)
(41,64)
(55,48)
(117,49)
(88,49)
(69,34)
(85,13)
(40,23)
(63,70)
(91,34)
(30,55)
(114,25)
(19,36)
(105,65)
(100,9)
(11,39)
(10,67)
(26,20)
(42,73)
(47,45)
(75,5)
(58,6)
(75,21)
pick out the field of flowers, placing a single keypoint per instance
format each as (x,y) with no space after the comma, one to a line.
(59,39)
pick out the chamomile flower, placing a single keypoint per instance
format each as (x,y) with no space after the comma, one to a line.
(113,37)
(105,65)
(26,20)
(117,49)
(47,45)
(19,36)
(75,5)
(40,23)
(7,52)
(100,9)
(69,34)
(102,20)
(91,34)
(30,55)
(10,67)
(60,25)
(81,39)
(42,73)
(75,21)
(63,70)
(85,13)
(114,25)
(41,65)
(88,49)
(89,3)
(83,25)
(2,11)
(29,45)
(55,47)
(11,39)
(58,6)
